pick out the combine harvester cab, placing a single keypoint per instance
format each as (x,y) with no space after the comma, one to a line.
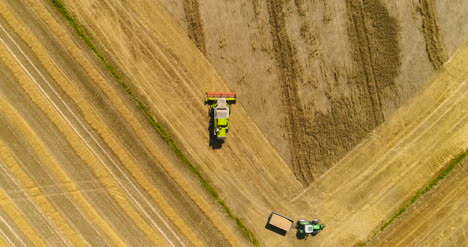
(220,110)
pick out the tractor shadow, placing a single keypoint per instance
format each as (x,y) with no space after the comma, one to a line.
(214,143)
(301,235)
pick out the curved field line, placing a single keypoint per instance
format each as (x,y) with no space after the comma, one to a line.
(97,123)
(289,77)
(397,139)
(75,139)
(54,167)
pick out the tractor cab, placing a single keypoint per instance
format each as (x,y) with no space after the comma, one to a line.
(309,229)
(305,227)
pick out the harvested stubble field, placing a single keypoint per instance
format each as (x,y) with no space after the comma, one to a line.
(347,110)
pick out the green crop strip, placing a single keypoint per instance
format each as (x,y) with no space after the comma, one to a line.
(428,188)
(164,134)
(444,173)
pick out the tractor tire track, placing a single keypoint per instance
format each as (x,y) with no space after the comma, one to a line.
(5,239)
(20,221)
(373,34)
(43,202)
(27,81)
(95,74)
(63,179)
(47,207)
(17,193)
(364,50)
(430,28)
(195,24)
(289,77)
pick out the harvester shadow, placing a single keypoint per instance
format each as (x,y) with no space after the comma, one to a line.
(214,142)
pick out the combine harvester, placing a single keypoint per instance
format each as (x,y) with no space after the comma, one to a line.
(220,109)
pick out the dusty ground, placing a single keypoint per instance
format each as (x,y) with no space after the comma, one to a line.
(328,71)
(81,165)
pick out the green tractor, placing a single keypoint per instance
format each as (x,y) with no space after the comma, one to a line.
(306,228)
(220,109)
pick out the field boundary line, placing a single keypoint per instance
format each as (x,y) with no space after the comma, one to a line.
(444,173)
(437,180)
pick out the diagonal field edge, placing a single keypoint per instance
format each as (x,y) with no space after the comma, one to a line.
(164,134)
(444,173)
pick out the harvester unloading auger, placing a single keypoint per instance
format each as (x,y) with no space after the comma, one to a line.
(220,109)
